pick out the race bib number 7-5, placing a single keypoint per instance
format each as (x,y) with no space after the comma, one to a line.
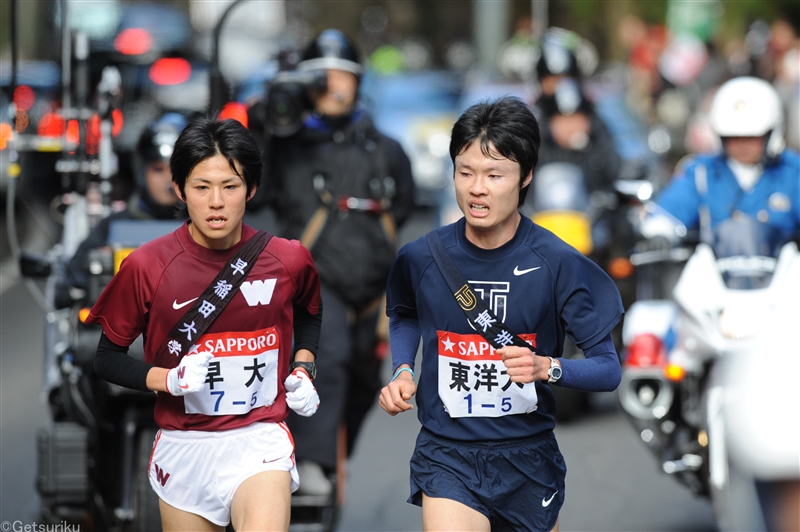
(243,374)
(473,380)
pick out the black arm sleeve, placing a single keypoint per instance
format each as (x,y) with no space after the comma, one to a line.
(306,329)
(113,364)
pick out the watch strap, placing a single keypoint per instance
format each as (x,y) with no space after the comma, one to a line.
(310,367)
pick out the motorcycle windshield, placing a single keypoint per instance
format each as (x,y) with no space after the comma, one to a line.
(560,187)
(746,252)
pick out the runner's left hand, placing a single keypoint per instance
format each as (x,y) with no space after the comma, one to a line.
(301,396)
(522,365)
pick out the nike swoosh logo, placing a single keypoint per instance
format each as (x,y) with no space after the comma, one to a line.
(178,306)
(518,272)
(182,386)
(546,502)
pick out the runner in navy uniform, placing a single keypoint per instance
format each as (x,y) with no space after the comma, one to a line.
(486,456)
(224,452)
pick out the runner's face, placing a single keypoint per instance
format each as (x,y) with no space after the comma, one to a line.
(215,198)
(487,191)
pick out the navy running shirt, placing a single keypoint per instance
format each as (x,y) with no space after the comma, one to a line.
(541,287)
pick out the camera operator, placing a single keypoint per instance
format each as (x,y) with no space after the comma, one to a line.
(342,188)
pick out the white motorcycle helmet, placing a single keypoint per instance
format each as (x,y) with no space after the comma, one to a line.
(749,107)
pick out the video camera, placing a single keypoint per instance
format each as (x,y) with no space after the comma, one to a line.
(287,99)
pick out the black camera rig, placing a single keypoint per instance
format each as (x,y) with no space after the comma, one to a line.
(286,100)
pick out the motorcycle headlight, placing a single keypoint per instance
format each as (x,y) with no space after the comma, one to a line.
(738,322)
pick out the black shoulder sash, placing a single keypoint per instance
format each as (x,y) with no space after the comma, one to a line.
(215,298)
(477,311)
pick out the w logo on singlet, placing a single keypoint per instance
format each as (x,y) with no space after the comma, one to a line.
(494,294)
(258,292)
(161,475)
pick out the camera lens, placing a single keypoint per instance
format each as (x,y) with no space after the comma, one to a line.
(284,109)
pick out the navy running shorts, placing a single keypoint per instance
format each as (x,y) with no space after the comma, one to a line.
(517,484)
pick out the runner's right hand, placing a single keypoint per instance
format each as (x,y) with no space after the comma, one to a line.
(190,375)
(395,395)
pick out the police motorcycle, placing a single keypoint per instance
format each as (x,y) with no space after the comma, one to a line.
(590,223)
(684,347)
(92,457)
(753,434)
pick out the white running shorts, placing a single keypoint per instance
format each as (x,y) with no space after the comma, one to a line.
(199,472)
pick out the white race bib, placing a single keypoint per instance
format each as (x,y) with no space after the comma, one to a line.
(473,380)
(243,374)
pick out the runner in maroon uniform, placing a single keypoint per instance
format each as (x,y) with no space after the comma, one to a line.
(224,449)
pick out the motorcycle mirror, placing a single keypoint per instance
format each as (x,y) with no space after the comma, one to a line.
(639,189)
(32,265)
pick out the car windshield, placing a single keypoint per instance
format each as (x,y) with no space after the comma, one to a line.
(421,92)
(746,252)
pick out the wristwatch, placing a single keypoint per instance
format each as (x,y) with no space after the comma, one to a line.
(555,370)
(310,367)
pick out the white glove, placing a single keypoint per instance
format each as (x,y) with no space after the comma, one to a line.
(190,375)
(301,396)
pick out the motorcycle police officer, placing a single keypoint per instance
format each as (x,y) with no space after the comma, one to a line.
(342,188)
(753,174)
(743,200)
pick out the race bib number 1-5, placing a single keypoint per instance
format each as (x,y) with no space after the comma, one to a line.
(473,380)
(243,374)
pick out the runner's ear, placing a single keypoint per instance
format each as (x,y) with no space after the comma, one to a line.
(178,192)
(527,180)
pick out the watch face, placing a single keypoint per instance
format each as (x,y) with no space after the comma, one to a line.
(555,371)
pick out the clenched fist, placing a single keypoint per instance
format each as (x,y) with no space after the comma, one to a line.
(301,396)
(190,375)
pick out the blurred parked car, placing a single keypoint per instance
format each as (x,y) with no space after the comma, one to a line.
(418,109)
(634,142)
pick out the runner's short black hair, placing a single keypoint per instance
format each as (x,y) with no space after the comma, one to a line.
(506,126)
(207,136)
